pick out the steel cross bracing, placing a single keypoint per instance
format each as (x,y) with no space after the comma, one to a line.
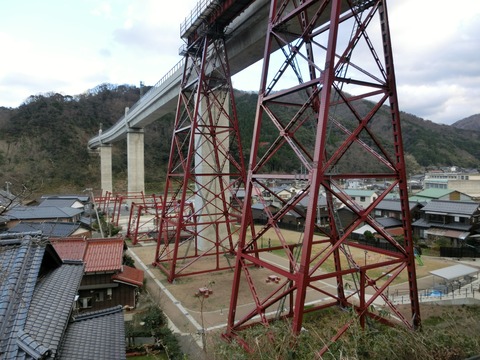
(197,231)
(321,126)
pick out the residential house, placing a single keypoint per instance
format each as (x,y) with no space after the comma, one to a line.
(389,208)
(107,282)
(52,229)
(62,201)
(440,194)
(37,297)
(259,211)
(322,210)
(277,195)
(362,197)
(453,220)
(41,214)
(449,178)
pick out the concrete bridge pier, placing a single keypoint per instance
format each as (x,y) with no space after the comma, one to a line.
(212,169)
(135,160)
(106,168)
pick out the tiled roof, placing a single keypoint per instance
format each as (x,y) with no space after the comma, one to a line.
(321,201)
(52,304)
(99,255)
(60,203)
(41,212)
(86,337)
(36,298)
(20,262)
(130,276)
(50,229)
(451,207)
(70,249)
(103,255)
(387,222)
(394,205)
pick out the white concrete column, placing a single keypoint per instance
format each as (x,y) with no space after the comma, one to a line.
(135,159)
(209,185)
(106,168)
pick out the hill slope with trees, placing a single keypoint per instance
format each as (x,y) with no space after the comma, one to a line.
(43,142)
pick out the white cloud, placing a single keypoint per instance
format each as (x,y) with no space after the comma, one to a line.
(70,47)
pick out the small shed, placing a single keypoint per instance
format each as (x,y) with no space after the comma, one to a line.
(456,273)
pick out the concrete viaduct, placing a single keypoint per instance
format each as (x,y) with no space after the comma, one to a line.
(245,45)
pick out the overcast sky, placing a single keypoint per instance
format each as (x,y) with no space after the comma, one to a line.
(70,46)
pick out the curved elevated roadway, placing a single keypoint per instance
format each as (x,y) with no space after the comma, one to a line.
(245,45)
(245,41)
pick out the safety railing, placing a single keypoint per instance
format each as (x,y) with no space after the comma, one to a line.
(201,6)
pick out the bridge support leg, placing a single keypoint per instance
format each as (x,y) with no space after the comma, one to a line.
(200,209)
(339,121)
(136,166)
(106,168)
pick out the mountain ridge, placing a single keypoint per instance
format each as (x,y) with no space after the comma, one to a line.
(43,142)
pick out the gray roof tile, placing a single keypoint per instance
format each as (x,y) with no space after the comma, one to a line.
(451,207)
(49,228)
(95,335)
(41,212)
(36,297)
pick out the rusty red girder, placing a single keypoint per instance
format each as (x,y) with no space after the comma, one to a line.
(324,124)
(206,167)
(143,220)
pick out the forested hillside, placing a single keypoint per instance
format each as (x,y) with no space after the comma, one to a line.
(43,143)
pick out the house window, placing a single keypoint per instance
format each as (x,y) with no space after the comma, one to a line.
(99,296)
(85,302)
(362,198)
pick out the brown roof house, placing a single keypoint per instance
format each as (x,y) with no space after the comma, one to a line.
(106,282)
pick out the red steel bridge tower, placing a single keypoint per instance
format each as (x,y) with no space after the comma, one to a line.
(330,107)
(206,167)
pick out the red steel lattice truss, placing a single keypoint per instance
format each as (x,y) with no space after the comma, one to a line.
(329,50)
(206,167)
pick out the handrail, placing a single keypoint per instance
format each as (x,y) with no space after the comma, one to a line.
(160,82)
(194,15)
(147,96)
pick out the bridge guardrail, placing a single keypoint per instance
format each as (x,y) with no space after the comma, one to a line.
(201,6)
(147,96)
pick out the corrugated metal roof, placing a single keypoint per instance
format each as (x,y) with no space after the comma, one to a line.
(455,271)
